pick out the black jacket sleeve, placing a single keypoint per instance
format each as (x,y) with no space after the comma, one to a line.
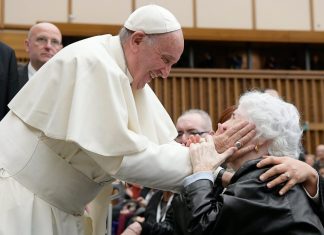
(321,199)
(249,207)
(201,200)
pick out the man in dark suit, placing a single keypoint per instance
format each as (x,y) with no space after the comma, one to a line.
(43,42)
(8,77)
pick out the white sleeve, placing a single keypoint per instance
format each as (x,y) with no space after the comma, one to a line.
(202,175)
(315,198)
(158,166)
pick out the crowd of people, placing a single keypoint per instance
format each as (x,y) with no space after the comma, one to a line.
(84,116)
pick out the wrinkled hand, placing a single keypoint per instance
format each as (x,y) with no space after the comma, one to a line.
(133,229)
(289,171)
(242,131)
(204,157)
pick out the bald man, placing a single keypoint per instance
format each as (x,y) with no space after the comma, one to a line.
(43,42)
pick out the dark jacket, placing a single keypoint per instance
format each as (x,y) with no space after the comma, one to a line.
(182,214)
(8,77)
(23,75)
(150,226)
(249,207)
(321,197)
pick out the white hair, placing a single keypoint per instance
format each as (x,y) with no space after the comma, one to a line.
(275,120)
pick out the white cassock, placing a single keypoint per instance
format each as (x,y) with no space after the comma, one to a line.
(72,128)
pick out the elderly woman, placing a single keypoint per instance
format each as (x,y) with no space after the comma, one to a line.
(247,206)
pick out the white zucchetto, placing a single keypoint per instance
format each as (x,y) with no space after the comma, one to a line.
(152,19)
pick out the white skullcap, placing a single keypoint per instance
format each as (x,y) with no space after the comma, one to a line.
(152,19)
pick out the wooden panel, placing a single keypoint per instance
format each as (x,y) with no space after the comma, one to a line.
(214,90)
(15,39)
(253,35)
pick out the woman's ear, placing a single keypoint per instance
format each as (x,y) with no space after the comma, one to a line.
(263,142)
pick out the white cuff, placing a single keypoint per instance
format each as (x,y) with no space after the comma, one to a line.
(198,176)
(316,197)
(216,172)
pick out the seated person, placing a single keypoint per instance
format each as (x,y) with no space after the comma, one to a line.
(158,215)
(248,206)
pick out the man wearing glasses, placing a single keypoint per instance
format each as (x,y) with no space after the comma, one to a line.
(193,122)
(43,42)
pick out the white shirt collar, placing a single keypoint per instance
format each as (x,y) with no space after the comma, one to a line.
(31,71)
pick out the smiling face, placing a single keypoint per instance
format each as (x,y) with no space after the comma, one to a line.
(153,56)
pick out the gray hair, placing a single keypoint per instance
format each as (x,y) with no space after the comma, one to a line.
(125,33)
(275,120)
(204,115)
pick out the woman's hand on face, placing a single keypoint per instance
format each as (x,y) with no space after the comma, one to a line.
(204,157)
(289,171)
(242,131)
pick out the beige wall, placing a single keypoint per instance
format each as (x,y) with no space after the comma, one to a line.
(27,12)
(182,8)
(283,14)
(218,14)
(100,11)
(319,15)
(230,14)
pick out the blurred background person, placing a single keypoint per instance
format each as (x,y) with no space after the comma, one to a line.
(43,42)
(193,122)
(321,171)
(310,159)
(319,157)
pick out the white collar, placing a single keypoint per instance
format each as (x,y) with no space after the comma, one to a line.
(159,216)
(31,71)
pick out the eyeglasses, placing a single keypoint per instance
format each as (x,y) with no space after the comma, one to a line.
(190,132)
(44,41)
